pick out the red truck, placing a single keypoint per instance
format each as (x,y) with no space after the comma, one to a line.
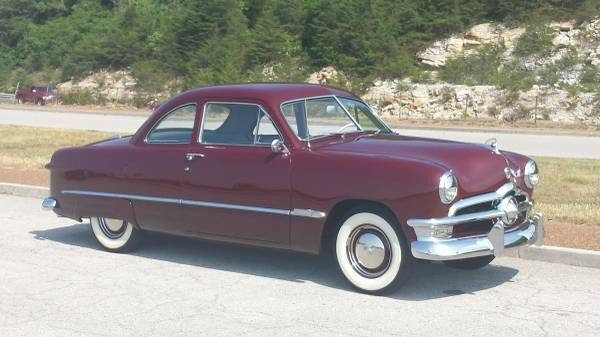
(35,94)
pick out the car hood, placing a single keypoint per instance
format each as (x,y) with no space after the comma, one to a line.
(477,167)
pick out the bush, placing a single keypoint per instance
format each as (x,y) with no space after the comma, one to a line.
(493,111)
(537,40)
(515,77)
(446,95)
(480,68)
(590,79)
(82,97)
(150,75)
(422,76)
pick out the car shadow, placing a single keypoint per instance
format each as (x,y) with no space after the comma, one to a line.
(428,281)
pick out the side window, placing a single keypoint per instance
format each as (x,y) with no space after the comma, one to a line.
(176,128)
(295,115)
(361,114)
(236,124)
(265,132)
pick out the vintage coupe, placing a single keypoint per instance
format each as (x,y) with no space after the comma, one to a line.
(300,167)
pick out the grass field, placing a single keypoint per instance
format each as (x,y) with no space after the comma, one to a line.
(568,194)
(23,147)
(569,190)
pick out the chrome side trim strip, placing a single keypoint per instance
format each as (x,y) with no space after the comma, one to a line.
(123,196)
(235,207)
(309,213)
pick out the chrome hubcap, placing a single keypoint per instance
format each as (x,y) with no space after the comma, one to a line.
(112,228)
(369,251)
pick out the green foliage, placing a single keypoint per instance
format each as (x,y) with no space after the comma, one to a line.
(590,79)
(82,97)
(220,41)
(473,69)
(493,111)
(446,95)
(150,75)
(537,40)
(421,76)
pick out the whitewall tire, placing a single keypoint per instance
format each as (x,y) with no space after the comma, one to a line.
(114,235)
(371,251)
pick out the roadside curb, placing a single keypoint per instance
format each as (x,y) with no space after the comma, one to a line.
(28,191)
(569,256)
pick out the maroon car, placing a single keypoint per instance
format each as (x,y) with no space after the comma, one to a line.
(38,95)
(305,168)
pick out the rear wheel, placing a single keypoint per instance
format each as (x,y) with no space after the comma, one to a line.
(371,251)
(470,263)
(115,235)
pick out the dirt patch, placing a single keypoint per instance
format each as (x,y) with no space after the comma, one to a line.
(573,236)
(36,177)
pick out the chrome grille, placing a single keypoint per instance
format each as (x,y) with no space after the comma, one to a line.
(488,202)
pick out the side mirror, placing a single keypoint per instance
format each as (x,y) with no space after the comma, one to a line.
(277,146)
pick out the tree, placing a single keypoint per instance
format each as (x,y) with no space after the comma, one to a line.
(269,42)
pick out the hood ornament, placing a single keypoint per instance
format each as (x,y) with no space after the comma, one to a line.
(493,143)
(511,174)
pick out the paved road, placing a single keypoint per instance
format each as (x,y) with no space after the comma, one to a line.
(54,281)
(530,144)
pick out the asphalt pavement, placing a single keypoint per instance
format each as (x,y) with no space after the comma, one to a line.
(55,281)
(566,146)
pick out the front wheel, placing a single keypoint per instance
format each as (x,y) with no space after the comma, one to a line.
(371,251)
(470,263)
(115,235)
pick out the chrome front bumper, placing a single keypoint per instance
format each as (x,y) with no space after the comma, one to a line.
(494,243)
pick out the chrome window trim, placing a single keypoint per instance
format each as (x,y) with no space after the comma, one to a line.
(146,141)
(348,114)
(299,212)
(260,107)
(371,111)
(274,125)
(338,101)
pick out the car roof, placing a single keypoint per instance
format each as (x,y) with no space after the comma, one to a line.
(268,92)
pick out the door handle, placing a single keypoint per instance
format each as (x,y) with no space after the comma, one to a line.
(191,156)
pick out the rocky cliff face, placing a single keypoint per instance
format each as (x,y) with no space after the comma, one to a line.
(558,101)
(114,86)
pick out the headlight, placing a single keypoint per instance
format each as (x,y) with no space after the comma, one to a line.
(448,187)
(531,174)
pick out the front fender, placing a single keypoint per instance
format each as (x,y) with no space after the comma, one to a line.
(408,187)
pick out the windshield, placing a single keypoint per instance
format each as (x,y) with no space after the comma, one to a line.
(318,117)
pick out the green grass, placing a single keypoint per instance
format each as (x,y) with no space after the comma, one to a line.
(26,148)
(569,190)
